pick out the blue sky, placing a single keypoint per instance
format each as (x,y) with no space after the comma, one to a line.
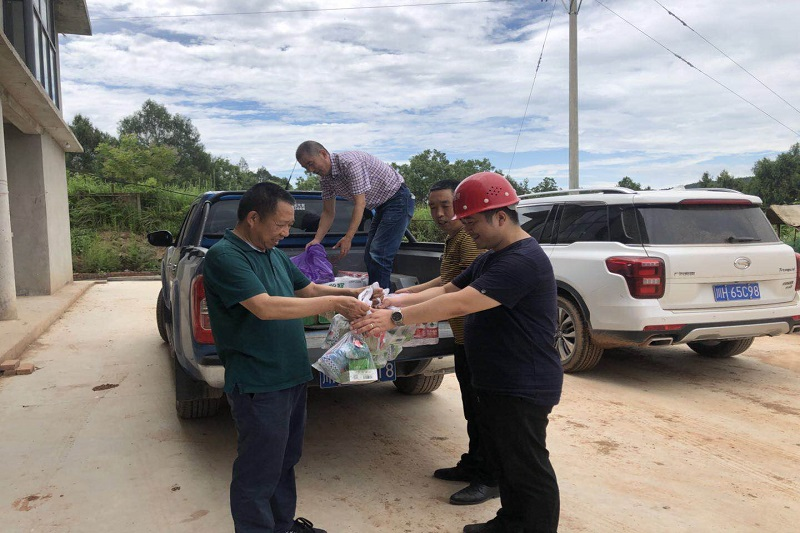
(396,81)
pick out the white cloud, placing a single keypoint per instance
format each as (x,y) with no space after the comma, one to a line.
(456,78)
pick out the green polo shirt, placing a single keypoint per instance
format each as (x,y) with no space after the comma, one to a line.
(258,355)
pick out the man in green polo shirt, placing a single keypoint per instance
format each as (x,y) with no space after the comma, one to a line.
(256,301)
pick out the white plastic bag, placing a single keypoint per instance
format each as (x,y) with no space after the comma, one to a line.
(348,361)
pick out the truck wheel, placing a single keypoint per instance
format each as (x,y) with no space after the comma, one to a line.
(420,384)
(161,316)
(721,349)
(573,341)
(204,406)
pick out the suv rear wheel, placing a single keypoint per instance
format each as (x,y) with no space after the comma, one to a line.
(573,341)
(721,349)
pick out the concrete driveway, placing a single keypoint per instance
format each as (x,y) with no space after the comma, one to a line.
(652,440)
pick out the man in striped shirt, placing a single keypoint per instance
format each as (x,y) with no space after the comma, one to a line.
(459,253)
(369,183)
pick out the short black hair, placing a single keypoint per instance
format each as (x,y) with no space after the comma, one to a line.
(512,214)
(263,198)
(311,148)
(443,185)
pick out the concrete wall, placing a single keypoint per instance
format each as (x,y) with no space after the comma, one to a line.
(39,212)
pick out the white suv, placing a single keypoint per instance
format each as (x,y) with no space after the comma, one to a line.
(651,268)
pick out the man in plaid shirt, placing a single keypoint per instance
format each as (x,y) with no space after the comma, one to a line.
(370,184)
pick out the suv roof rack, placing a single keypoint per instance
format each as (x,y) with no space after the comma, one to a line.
(604,190)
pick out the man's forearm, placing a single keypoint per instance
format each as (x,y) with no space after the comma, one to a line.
(325,223)
(287,308)
(435,282)
(407,299)
(358,213)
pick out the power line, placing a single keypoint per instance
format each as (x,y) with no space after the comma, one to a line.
(307,10)
(536,73)
(726,55)
(696,68)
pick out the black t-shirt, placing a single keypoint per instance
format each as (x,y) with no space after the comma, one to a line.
(510,347)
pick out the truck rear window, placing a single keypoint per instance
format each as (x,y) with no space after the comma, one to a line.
(222,216)
(704,224)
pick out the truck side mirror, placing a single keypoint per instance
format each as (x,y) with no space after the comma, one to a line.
(160,238)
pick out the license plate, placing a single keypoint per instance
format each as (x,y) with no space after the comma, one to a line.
(737,291)
(386,373)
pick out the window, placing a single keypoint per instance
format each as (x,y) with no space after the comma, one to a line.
(583,223)
(704,224)
(307,211)
(533,220)
(29,25)
(623,224)
(14,25)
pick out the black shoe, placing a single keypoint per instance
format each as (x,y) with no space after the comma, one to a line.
(455,473)
(492,526)
(474,493)
(302,525)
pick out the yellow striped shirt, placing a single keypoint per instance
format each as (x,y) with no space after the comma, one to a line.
(459,253)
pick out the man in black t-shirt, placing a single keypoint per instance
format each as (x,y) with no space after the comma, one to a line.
(509,299)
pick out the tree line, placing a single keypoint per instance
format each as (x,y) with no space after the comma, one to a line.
(156,148)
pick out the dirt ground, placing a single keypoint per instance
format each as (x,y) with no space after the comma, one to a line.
(652,440)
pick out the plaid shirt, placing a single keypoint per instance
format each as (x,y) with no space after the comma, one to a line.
(360,173)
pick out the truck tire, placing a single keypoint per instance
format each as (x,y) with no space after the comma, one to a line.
(573,341)
(204,406)
(721,349)
(420,384)
(161,316)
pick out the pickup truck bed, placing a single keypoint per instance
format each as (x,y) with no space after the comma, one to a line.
(199,375)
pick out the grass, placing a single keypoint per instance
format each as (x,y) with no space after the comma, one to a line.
(110,222)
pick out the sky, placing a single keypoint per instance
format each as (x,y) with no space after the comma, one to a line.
(456,77)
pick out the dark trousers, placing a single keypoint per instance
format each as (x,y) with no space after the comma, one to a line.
(270,426)
(385,234)
(474,461)
(514,430)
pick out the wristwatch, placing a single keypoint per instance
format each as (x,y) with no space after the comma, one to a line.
(397,317)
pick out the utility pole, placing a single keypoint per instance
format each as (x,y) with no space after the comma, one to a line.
(572,9)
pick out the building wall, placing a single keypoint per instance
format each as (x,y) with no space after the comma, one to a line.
(39,212)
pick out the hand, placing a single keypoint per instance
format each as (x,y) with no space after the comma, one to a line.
(377,295)
(312,242)
(375,323)
(407,290)
(395,300)
(351,308)
(343,245)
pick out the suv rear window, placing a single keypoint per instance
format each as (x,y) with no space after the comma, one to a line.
(704,224)
(307,211)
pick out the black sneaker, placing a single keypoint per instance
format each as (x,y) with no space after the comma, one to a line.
(303,525)
(474,493)
(455,473)
(492,526)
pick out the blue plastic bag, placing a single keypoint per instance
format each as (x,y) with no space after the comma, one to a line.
(314,264)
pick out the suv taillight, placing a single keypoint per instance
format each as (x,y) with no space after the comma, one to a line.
(644,275)
(797,272)
(201,323)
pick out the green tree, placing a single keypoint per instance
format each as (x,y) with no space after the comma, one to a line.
(129,161)
(706,182)
(262,174)
(629,184)
(430,166)
(154,125)
(777,182)
(308,182)
(546,185)
(90,138)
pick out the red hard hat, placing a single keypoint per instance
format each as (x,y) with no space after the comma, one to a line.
(481,192)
